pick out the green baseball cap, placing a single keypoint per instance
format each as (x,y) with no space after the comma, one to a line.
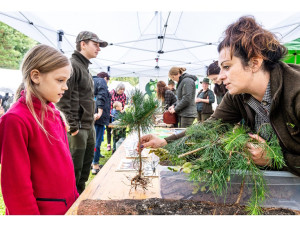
(87,35)
(205,80)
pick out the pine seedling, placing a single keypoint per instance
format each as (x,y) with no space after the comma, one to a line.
(216,151)
(139,118)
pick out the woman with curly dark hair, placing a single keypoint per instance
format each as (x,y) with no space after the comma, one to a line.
(261,90)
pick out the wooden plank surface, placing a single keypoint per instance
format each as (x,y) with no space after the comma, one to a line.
(109,184)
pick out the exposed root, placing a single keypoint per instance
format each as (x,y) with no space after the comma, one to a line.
(140,181)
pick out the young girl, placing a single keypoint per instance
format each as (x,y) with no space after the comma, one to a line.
(37,172)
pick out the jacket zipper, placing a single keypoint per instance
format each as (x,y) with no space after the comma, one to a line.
(52,200)
(64,130)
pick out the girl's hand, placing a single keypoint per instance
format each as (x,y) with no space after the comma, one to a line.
(257,153)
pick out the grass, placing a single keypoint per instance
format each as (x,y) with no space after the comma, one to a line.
(102,161)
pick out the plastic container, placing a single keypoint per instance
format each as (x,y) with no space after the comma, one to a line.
(283,189)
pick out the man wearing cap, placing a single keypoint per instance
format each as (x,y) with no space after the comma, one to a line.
(78,105)
(204,100)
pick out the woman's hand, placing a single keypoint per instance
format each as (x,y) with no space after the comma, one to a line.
(171,109)
(197,100)
(150,140)
(258,155)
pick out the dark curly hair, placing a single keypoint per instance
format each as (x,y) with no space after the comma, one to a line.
(246,39)
(213,68)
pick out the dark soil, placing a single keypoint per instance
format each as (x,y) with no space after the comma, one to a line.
(156,206)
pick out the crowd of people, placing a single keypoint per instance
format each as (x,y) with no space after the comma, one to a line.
(55,128)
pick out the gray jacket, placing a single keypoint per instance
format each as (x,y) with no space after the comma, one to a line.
(186,91)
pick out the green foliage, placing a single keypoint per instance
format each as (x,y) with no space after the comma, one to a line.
(132,80)
(13,47)
(139,115)
(222,153)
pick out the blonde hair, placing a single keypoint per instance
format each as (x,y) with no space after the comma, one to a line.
(175,70)
(116,104)
(44,59)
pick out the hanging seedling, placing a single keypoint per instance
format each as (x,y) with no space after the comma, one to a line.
(138,117)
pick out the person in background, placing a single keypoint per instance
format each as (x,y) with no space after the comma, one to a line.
(212,73)
(261,90)
(78,105)
(37,172)
(102,110)
(185,106)
(171,86)
(117,94)
(6,101)
(166,96)
(119,134)
(205,99)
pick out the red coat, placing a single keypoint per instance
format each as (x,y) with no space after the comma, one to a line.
(37,172)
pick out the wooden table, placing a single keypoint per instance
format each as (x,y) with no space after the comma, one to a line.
(111,185)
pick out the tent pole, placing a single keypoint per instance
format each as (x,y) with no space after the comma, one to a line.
(60,34)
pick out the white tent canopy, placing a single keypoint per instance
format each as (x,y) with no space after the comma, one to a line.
(143,44)
(289,28)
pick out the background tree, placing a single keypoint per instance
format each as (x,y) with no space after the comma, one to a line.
(13,46)
(132,80)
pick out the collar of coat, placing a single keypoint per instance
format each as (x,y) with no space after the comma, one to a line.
(77,55)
